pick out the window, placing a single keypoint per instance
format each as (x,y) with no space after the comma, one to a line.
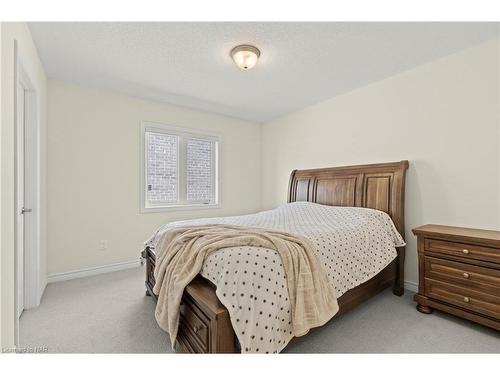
(180,168)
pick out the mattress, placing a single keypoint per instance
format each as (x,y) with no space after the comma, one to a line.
(352,243)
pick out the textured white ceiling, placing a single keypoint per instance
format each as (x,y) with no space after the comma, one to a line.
(189,64)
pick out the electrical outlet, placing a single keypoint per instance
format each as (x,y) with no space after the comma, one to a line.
(103,245)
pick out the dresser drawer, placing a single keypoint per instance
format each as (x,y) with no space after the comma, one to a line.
(483,279)
(463,251)
(470,299)
(195,326)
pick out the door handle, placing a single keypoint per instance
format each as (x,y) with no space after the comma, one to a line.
(24,210)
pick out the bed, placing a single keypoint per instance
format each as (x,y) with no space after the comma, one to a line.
(206,325)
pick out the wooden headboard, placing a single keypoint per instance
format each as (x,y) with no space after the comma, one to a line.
(378,186)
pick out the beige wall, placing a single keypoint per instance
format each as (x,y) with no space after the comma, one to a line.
(28,55)
(94,173)
(443,117)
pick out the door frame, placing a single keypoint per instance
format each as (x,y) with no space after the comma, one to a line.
(20,191)
(32,283)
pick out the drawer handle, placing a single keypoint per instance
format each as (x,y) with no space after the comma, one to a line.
(466,275)
(466,299)
(197,329)
(465,251)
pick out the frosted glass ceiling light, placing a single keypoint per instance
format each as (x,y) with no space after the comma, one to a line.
(245,56)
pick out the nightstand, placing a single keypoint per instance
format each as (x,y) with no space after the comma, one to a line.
(459,272)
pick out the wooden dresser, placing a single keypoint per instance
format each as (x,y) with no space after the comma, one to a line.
(459,272)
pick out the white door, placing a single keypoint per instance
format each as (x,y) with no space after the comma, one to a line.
(20,209)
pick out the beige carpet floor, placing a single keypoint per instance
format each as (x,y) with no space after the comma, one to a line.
(110,314)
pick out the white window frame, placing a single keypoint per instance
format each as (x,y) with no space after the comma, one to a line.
(182,203)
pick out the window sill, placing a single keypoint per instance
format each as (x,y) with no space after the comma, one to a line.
(184,207)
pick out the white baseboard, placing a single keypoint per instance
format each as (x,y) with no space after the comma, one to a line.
(93,271)
(411,286)
(42,290)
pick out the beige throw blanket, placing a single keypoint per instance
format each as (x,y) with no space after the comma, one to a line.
(181,252)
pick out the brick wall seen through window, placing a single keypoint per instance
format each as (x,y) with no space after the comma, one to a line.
(198,168)
(161,167)
(180,168)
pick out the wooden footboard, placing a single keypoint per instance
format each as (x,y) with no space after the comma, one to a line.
(205,325)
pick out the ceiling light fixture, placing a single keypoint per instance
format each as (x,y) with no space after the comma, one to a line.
(245,56)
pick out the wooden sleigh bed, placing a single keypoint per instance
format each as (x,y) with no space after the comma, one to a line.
(205,325)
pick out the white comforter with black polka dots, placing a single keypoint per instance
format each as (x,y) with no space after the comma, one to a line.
(352,243)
